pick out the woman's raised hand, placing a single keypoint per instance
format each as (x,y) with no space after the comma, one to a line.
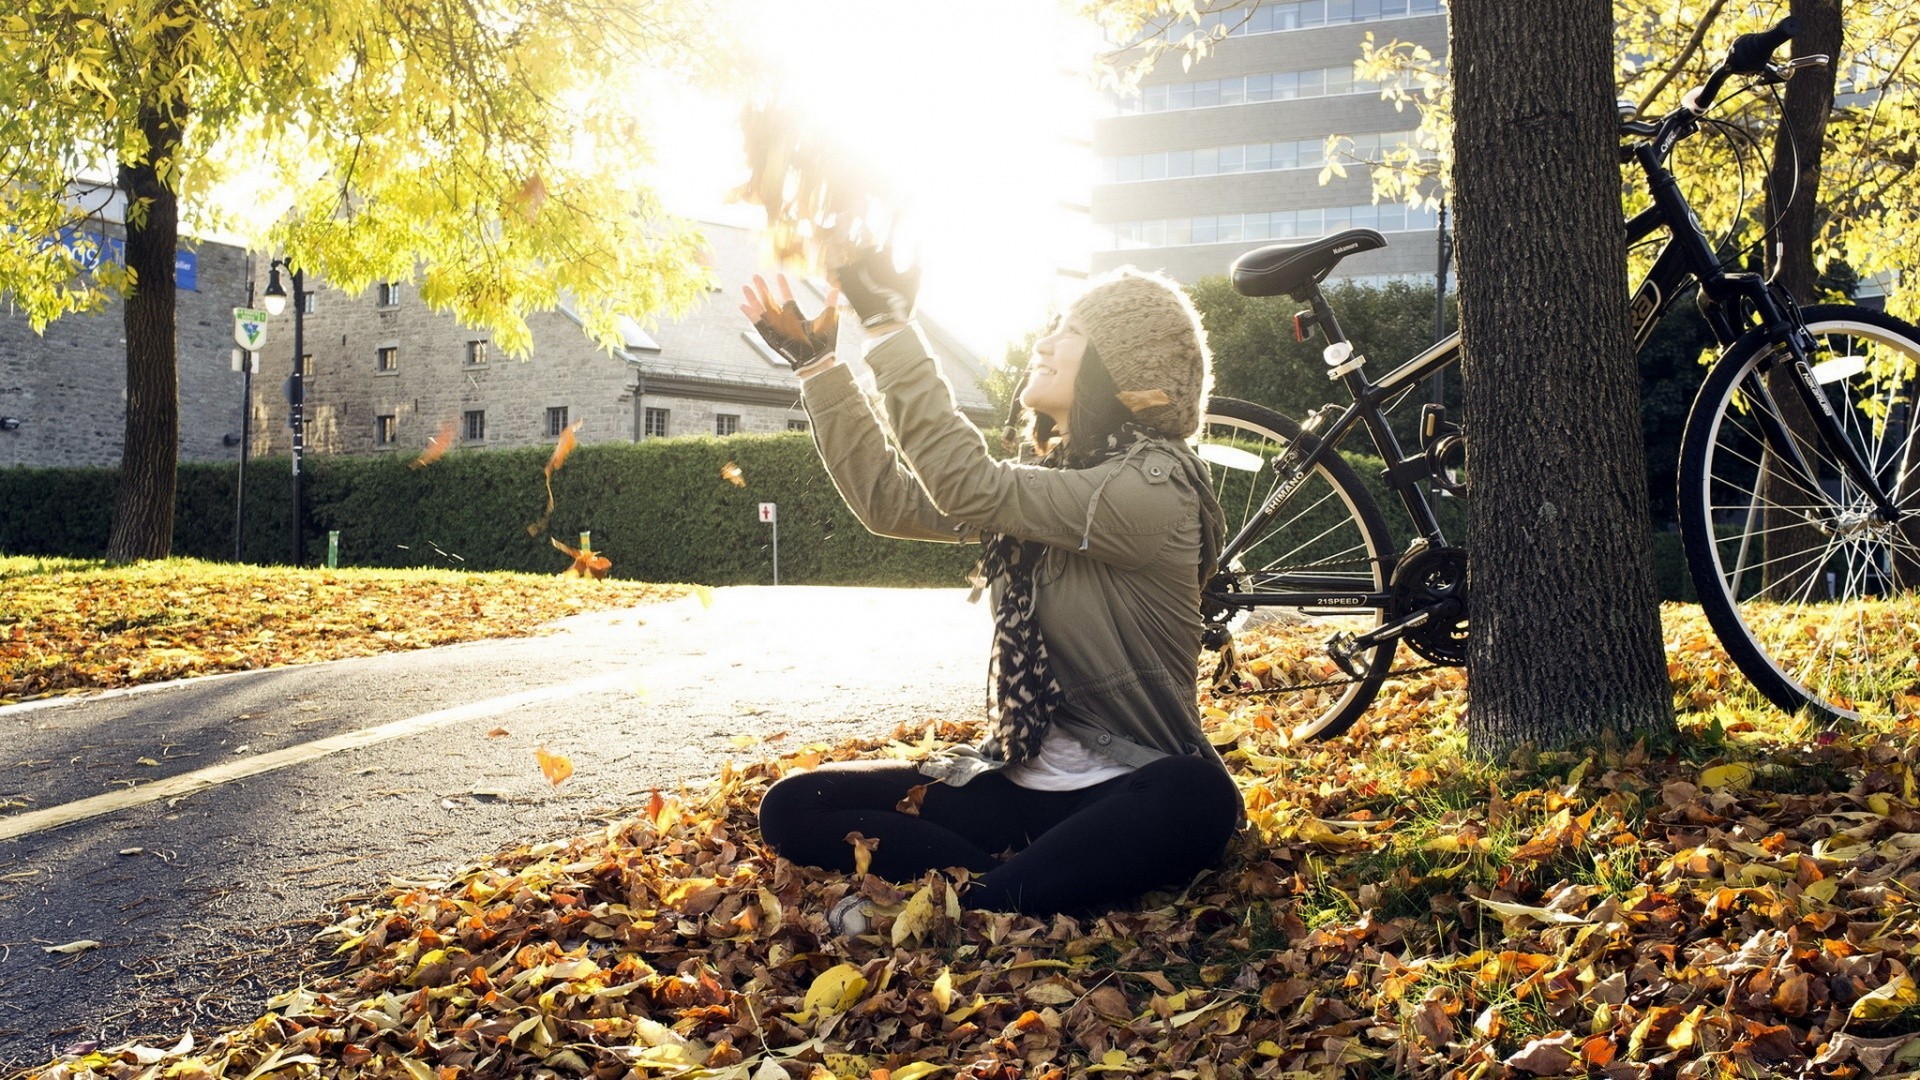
(806,343)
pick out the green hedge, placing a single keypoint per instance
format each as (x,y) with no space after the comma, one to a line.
(659,509)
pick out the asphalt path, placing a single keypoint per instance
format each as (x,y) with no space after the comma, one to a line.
(203,831)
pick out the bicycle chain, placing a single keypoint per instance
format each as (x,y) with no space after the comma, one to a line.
(1296,687)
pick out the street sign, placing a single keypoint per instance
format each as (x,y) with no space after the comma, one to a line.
(246,360)
(769,512)
(249,328)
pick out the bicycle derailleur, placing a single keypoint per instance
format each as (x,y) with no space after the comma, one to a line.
(1428,610)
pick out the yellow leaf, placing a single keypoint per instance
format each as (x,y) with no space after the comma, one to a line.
(705,593)
(1822,890)
(834,990)
(1888,1001)
(556,767)
(1681,1037)
(71,947)
(1736,777)
(918,916)
(1115,1058)
(916,1070)
(942,991)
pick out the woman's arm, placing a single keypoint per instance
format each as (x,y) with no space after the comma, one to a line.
(1121,511)
(871,478)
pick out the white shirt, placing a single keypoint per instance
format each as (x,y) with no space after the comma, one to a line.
(1064,764)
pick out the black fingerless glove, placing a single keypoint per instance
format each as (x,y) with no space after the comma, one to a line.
(814,342)
(879,293)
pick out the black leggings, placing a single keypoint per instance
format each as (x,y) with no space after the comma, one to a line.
(1073,850)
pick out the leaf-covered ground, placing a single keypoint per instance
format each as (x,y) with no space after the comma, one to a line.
(1744,906)
(69,626)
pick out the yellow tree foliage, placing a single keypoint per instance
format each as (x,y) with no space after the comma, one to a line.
(1869,194)
(484,150)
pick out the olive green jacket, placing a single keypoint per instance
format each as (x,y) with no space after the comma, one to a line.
(1117,591)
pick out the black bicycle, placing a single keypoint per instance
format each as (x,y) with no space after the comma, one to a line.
(1799,479)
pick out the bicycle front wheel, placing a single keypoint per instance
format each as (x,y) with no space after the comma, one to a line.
(1327,538)
(1810,590)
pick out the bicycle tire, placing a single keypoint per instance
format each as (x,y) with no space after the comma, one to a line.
(1329,523)
(1818,616)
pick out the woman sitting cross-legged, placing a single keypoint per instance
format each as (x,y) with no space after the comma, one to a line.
(1095,775)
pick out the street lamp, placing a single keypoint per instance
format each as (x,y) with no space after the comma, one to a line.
(275,299)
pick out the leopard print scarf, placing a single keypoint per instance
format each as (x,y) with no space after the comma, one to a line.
(1022,691)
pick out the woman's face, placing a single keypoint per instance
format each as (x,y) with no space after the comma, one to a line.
(1052,369)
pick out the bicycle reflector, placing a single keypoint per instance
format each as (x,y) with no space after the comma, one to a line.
(1303,324)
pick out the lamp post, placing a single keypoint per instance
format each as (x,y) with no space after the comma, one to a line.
(275,299)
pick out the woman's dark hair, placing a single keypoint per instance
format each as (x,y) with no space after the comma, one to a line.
(1096,415)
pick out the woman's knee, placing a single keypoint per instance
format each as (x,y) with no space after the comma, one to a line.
(1191,788)
(786,806)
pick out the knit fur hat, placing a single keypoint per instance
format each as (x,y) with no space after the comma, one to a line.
(1149,337)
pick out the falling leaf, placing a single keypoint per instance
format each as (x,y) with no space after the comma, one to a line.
(586,564)
(71,947)
(530,197)
(555,460)
(437,446)
(498,732)
(910,803)
(704,593)
(732,474)
(555,767)
(863,849)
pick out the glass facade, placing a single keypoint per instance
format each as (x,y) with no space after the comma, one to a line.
(1248,157)
(1272,225)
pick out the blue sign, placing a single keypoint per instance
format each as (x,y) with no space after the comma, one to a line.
(88,250)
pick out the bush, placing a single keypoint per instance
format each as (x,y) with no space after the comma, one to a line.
(660,510)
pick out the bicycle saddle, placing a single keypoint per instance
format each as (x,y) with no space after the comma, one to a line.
(1282,268)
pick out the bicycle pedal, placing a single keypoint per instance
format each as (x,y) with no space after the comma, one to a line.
(1343,648)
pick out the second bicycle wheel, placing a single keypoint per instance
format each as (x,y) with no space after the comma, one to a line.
(1327,537)
(1811,591)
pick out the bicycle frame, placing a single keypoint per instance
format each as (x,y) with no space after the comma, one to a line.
(1735,305)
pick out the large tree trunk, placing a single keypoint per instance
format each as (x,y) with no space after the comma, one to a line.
(1794,179)
(149,460)
(1566,647)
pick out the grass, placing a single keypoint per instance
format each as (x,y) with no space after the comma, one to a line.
(73,625)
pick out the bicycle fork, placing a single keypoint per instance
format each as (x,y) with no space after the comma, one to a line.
(1826,424)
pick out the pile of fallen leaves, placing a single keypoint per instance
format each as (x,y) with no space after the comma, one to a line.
(1743,905)
(72,625)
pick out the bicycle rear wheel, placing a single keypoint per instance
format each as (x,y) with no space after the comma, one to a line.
(1812,596)
(1329,537)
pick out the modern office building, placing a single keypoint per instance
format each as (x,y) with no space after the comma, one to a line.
(1204,164)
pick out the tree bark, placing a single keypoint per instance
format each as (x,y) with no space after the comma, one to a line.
(1566,646)
(1793,178)
(144,497)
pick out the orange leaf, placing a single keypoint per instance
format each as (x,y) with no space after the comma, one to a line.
(497,732)
(556,767)
(436,446)
(585,562)
(732,473)
(1599,1051)
(564,447)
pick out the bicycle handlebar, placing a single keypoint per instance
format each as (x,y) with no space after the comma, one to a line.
(1752,54)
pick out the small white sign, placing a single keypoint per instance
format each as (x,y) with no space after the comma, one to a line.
(246,360)
(249,328)
(769,512)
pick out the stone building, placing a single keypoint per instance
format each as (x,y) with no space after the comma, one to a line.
(63,393)
(1203,165)
(386,374)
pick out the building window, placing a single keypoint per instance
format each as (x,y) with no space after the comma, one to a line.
(388,294)
(798,425)
(556,421)
(725,423)
(476,425)
(1277,225)
(476,353)
(306,301)
(384,430)
(656,424)
(387,358)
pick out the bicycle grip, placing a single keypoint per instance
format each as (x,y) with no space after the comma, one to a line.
(1752,52)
